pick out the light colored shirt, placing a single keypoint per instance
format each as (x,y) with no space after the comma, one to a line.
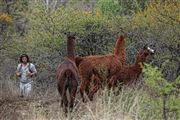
(24,70)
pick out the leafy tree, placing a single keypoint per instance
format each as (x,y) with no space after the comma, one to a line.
(121,7)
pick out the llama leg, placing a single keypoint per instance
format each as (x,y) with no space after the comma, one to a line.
(72,92)
(61,94)
(95,88)
(62,91)
(93,91)
(115,83)
(65,101)
(112,83)
(84,88)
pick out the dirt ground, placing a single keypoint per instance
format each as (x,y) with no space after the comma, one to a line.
(24,108)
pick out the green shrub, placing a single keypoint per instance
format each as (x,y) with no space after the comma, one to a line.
(168,92)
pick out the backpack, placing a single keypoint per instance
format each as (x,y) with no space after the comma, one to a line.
(28,68)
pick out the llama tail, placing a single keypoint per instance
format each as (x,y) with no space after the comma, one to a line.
(68,75)
(78,60)
(119,49)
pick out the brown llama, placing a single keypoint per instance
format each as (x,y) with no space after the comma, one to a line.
(129,74)
(67,76)
(90,66)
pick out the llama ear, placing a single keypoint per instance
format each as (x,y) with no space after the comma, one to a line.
(66,33)
(145,46)
(70,34)
(120,37)
(74,34)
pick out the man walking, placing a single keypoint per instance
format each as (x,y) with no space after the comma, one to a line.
(25,71)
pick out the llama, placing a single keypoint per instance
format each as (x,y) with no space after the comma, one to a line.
(67,75)
(129,74)
(90,66)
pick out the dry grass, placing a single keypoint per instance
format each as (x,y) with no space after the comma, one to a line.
(106,105)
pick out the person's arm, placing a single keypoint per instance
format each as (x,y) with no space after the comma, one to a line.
(18,73)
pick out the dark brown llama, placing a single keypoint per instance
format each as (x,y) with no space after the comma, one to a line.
(67,76)
(90,66)
(129,74)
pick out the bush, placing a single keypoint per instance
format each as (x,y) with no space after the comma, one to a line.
(121,7)
(168,92)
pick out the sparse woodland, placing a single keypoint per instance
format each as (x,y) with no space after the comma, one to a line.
(37,27)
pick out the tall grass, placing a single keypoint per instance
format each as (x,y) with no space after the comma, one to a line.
(129,104)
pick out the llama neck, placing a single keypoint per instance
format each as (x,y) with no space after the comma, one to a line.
(71,48)
(139,64)
(119,49)
(122,56)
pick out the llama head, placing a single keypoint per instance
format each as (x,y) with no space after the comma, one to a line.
(120,40)
(70,45)
(148,50)
(70,35)
(144,53)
